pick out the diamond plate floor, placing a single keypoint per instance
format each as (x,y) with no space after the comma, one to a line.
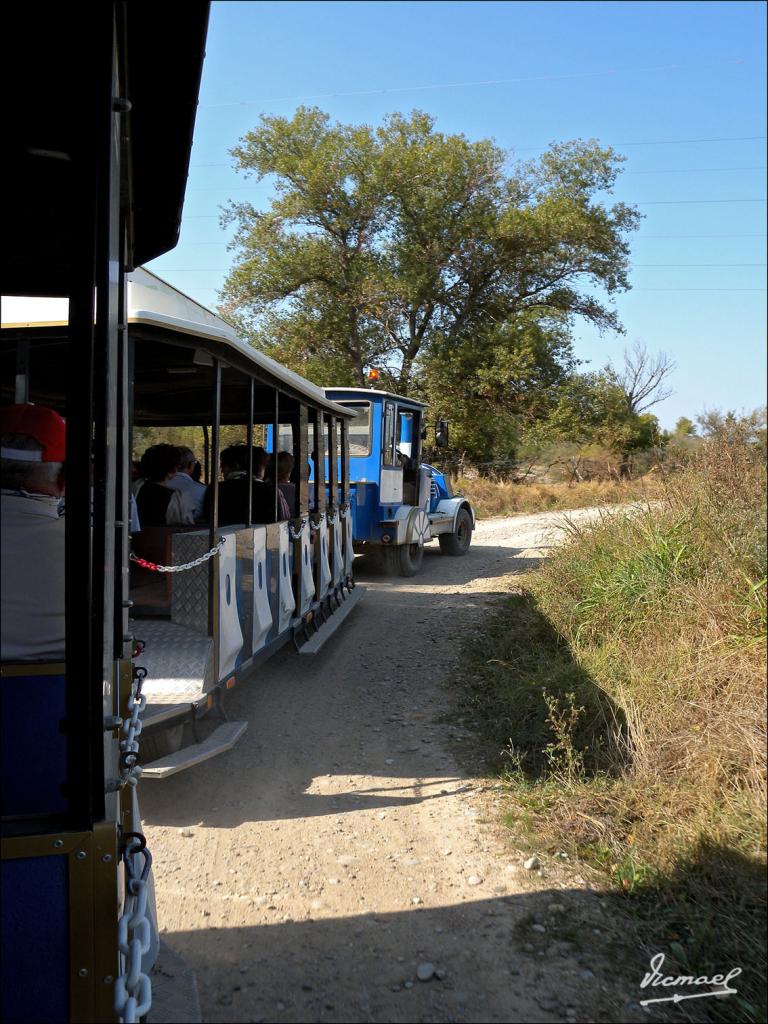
(174,990)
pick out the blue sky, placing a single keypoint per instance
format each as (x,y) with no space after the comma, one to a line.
(653,80)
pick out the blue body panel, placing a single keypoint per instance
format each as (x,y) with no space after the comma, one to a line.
(34,981)
(33,755)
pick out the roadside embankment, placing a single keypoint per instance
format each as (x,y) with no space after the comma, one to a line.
(622,694)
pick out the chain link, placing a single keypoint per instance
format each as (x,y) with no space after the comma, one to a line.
(314,527)
(133,989)
(297,534)
(179,568)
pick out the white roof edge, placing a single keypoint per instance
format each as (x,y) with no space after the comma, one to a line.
(381,394)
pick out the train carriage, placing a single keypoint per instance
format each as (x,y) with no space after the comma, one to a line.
(209,603)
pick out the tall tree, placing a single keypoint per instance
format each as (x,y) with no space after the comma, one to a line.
(386,246)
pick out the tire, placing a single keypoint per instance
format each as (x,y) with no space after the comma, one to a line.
(160,743)
(403,559)
(457,543)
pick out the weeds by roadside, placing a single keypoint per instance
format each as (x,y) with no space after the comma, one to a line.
(623,699)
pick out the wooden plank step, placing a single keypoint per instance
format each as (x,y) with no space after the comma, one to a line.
(222,738)
(328,628)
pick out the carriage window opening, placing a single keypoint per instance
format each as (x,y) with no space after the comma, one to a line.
(388,455)
(360,429)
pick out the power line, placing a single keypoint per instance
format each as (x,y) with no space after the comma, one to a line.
(610,72)
(683,202)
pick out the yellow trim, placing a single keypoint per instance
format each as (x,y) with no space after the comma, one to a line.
(34,323)
(93,912)
(29,668)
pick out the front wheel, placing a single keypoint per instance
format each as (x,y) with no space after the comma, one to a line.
(457,543)
(403,559)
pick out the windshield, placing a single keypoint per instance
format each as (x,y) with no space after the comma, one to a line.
(360,429)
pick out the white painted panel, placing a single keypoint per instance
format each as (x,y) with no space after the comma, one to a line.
(325,569)
(262,616)
(286,600)
(391,487)
(349,554)
(307,590)
(338,556)
(230,633)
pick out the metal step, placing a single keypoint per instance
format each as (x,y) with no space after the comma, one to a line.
(222,738)
(329,627)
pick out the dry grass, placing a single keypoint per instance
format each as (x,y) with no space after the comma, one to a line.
(501,498)
(628,688)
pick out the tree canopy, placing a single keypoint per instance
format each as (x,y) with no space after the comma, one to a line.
(407,250)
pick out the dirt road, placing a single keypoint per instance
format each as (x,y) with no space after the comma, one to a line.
(338,851)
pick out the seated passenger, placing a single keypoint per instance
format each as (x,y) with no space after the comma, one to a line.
(233,489)
(285,463)
(184,480)
(32,447)
(158,504)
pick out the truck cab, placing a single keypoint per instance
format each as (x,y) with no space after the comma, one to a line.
(399,504)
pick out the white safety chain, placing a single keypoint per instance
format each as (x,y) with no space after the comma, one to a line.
(130,770)
(316,526)
(133,989)
(179,568)
(297,534)
(332,518)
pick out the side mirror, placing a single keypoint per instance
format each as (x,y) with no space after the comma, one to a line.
(441,434)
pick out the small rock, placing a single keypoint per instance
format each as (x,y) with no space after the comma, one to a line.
(474,880)
(186,832)
(586,975)
(416,900)
(389,760)
(532,864)
(440,973)
(381,816)
(407,984)
(425,971)
(556,908)
(333,881)
(539,928)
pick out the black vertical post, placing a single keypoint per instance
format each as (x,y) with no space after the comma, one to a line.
(213,509)
(344,425)
(319,461)
(333,464)
(249,442)
(301,454)
(275,433)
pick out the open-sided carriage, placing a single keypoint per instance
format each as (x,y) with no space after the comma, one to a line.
(209,603)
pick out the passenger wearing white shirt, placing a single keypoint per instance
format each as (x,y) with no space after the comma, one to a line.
(184,481)
(32,447)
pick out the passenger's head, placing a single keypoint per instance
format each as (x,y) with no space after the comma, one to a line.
(284,467)
(234,459)
(159,463)
(33,445)
(187,461)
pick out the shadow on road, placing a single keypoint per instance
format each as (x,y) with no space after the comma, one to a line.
(489,955)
